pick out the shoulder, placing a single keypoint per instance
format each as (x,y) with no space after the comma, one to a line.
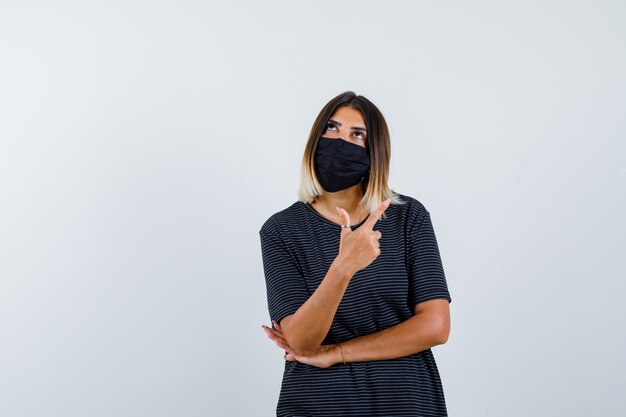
(412,209)
(277,222)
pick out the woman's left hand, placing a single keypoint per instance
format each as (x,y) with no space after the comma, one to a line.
(322,357)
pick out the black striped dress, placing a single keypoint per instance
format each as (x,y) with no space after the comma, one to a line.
(298,246)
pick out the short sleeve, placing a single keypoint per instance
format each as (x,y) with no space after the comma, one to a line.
(427,279)
(286,288)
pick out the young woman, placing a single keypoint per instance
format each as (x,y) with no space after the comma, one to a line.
(355,285)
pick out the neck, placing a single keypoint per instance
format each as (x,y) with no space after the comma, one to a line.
(348,199)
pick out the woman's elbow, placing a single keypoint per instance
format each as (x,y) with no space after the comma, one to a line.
(443,331)
(297,342)
(443,338)
(302,347)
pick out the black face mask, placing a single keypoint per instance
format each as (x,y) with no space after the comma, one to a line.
(340,164)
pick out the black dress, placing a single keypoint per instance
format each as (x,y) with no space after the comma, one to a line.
(298,246)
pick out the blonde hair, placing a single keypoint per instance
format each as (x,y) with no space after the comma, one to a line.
(374,186)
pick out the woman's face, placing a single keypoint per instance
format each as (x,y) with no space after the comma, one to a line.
(347,124)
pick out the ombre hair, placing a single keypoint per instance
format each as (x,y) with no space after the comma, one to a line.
(374,186)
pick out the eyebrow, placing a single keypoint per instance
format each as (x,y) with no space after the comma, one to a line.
(353,127)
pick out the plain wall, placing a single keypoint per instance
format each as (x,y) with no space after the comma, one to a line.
(144,143)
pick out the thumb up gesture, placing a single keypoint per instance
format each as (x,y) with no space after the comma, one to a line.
(358,248)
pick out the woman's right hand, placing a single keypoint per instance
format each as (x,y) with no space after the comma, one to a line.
(358,248)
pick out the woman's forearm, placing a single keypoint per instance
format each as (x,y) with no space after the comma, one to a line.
(308,326)
(420,332)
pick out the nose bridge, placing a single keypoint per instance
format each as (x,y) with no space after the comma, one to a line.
(343,136)
(339,136)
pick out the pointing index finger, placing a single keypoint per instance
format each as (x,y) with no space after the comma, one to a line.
(371,221)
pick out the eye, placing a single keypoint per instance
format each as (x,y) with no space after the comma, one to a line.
(358,132)
(329,125)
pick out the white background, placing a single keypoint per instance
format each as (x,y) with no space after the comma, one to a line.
(143,144)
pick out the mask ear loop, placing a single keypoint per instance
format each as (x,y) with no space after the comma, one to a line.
(367,148)
(367,174)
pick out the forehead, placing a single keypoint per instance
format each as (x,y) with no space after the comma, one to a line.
(349,116)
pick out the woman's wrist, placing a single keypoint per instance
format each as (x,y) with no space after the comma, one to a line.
(343,267)
(339,356)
